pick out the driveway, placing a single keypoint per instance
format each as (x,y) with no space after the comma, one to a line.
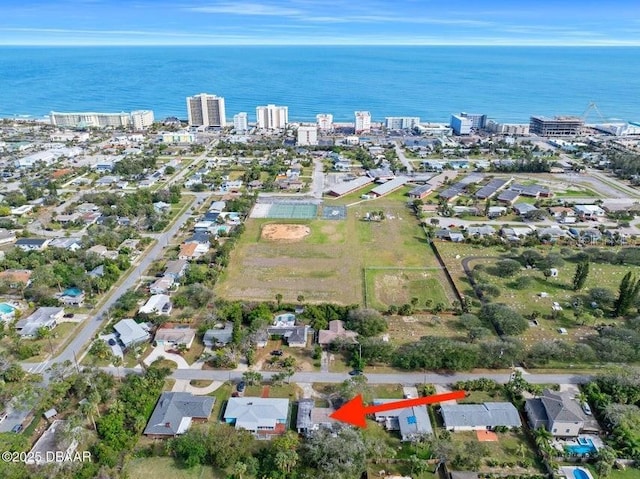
(159,352)
(182,385)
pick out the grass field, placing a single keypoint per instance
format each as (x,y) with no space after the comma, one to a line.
(328,264)
(143,468)
(388,286)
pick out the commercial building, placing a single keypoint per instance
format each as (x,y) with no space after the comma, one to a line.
(515,129)
(272,117)
(461,125)
(325,121)
(478,120)
(363,121)
(139,119)
(206,110)
(307,136)
(401,122)
(241,122)
(557,126)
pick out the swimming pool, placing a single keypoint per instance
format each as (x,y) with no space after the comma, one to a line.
(580,474)
(585,447)
(6,308)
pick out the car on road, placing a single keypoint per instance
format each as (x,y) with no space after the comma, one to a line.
(277,352)
(17,428)
(355,372)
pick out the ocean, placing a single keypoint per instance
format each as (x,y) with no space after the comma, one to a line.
(507,83)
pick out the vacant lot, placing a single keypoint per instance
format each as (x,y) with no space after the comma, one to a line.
(328,264)
(388,286)
(140,468)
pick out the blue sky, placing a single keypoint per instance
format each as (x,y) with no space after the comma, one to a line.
(189,22)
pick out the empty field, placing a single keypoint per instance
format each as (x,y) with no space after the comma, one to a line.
(385,287)
(328,263)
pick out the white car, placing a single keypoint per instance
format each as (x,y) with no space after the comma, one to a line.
(586,409)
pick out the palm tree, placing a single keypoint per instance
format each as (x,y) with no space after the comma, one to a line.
(239,469)
(278,299)
(117,361)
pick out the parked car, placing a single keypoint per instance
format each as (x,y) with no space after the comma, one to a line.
(240,387)
(69,315)
(355,372)
(586,409)
(112,342)
(17,428)
(277,352)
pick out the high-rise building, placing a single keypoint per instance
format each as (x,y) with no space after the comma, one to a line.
(325,121)
(461,125)
(307,135)
(241,122)
(516,129)
(206,110)
(401,122)
(272,117)
(557,126)
(478,120)
(139,119)
(363,121)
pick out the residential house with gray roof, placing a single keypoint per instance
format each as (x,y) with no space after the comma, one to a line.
(264,417)
(311,418)
(412,422)
(46,317)
(218,336)
(131,333)
(175,412)
(559,413)
(476,417)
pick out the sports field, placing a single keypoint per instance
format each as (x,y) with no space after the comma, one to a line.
(328,263)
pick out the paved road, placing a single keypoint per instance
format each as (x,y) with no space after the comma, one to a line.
(403,159)
(317,184)
(382,378)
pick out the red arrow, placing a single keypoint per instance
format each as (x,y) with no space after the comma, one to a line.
(354,412)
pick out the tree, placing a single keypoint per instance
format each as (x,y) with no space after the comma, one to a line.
(279,299)
(605,458)
(335,456)
(507,267)
(505,320)
(190,448)
(581,275)
(627,294)
(366,322)
(252,377)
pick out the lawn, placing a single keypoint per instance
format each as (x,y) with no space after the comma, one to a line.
(143,468)
(327,265)
(222,394)
(403,329)
(287,391)
(629,473)
(385,287)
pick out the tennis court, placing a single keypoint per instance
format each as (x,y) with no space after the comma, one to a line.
(304,211)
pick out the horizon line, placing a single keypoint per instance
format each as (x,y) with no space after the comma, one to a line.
(373,44)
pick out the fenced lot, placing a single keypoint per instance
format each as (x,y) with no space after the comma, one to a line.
(282,209)
(328,263)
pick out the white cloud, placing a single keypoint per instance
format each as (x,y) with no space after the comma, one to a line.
(255,9)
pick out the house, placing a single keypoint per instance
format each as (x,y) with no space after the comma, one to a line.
(161,207)
(32,244)
(523,208)
(161,285)
(70,244)
(131,333)
(97,272)
(508,196)
(311,418)
(7,312)
(176,268)
(496,211)
(264,417)
(47,317)
(157,304)
(481,231)
(199,237)
(101,250)
(217,206)
(553,233)
(192,250)
(295,336)
(175,412)
(453,236)
(516,233)
(218,336)
(559,413)
(587,212)
(72,297)
(476,417)
(16,278)
(562,213)
(336,330)
(174,337)
(412,422)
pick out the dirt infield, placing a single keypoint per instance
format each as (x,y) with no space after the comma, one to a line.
(281,232)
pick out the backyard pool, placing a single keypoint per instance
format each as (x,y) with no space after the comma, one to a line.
(580,474)
(585,447)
